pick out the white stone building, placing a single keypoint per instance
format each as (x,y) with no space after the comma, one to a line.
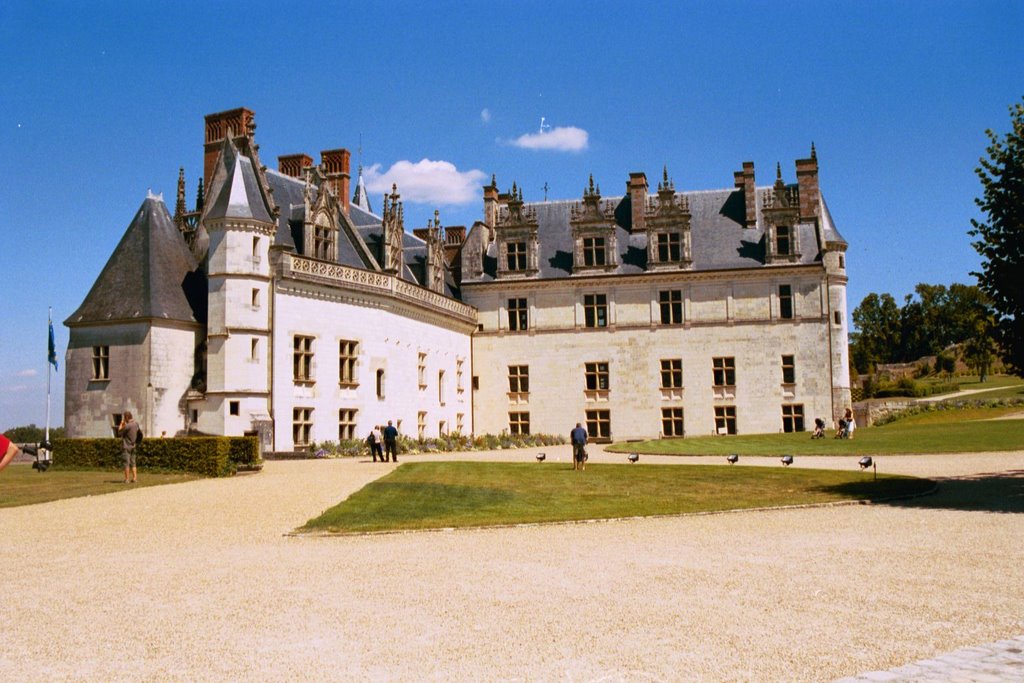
(280,306)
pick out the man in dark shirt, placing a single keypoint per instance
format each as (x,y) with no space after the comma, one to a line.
(390,442)
(578,436)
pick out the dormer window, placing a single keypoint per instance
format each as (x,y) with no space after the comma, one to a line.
(593,231)
(782,242)
(516,255)
(668,229)
(669,247)
(593,251)
(516,235)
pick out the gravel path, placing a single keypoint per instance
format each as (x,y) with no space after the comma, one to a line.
(198,581)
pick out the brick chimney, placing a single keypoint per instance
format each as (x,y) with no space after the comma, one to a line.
(292,164)
(335,163)
(807,180)
(636,186)
(745,181)
(239,121)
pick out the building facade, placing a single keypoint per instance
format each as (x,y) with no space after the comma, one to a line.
(278,305)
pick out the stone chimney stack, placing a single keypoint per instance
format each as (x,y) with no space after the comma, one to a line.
(807,181)
(491,204)
(292,164)
(636,186)
(335,164)
(745,181)
(239,121)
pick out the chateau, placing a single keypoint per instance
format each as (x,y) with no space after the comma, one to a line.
(283,305)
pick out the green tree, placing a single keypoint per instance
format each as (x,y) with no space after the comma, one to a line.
(32,434)
(877,319)
(1001,237)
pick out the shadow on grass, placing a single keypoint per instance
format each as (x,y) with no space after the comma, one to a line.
(989,492)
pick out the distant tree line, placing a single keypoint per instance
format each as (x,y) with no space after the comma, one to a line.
(32,434)
(932,319)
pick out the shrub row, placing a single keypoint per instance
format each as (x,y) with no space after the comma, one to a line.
(212,456)
(939,406)
(907,387)
(445,444)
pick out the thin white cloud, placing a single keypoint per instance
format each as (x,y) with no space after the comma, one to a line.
(426,182)
(27,373)
(17,388)
(485,116)
(560,139)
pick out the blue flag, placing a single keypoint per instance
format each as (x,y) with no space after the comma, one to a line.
(52,350)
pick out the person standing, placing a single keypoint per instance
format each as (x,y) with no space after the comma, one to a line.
(7,451)
(391,442)
(578,437)
(371,441)
(129,433)
(851,423)
(378,443)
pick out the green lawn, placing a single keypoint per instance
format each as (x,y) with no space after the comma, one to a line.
(939,432)
(467,494)
(22,485)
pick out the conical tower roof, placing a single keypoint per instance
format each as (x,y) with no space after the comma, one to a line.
(148,275)
(234,188)
(361,198)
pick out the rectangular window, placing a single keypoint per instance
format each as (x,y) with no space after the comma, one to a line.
(788,370)
(302,359)
(837,318)
(233,407)
(255,298)
(254,349)
(458,422)
(599,424)
(101,363)
(593,251)
(302,426)
(519,423)
(596,375)
(380,384)
(595,310)
(782,240)
(440,387)
(255,251)
(516,255)
(724,371)
(518,318)
(725,419)
(421,370)
(793,418)
(458,376)
(476,382)
(668,247)
(672,421)
(346,424)
(785,302)
(519,378)
(421,425)
(348,353)
(672,373)
(671,302)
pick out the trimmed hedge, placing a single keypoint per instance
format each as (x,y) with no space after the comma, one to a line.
(212,456)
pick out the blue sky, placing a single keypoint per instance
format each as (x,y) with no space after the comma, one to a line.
(105,100)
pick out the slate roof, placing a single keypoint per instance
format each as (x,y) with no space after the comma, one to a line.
(151,274)
(719,239)
(235,190)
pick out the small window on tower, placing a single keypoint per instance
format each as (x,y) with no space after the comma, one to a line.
(233,407)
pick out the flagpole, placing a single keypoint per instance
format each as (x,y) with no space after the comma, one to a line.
(49,319)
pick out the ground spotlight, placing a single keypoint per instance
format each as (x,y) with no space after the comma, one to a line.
(787,460)
(732,458)
(633,457)
(541,456)
(865,462)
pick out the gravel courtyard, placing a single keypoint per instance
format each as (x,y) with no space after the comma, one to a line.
(200,581)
